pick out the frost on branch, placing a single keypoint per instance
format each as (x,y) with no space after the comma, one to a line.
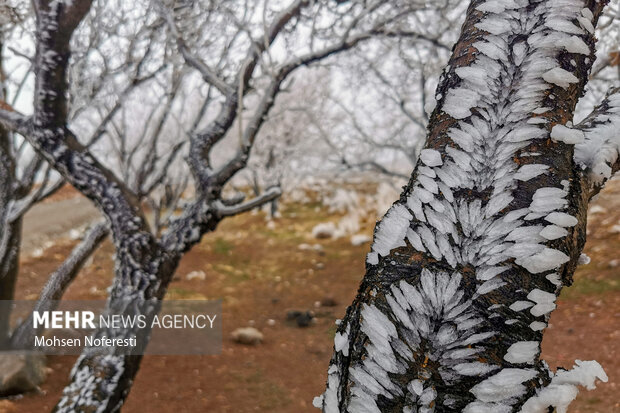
(563,387)
(599,151)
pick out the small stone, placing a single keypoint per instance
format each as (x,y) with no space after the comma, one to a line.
(20,373)
(596,209)
(329,302)
(247,335)
(324,230)
(301,318)
(305,320)
(76,234)
(309,247)
(198,275)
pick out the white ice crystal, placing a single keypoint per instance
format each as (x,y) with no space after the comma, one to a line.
(601,145)
(527,172)
(561,219)
(545,260)
(560,77)
(507,383)
(563,387)
(567,135)
(430,157)
(522,352)
(458,102)
(545,302)
(583,260)
(552,232)
(391,230)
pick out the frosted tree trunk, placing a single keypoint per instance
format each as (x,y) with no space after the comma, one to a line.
(466,266)
(9,269)
(10,233)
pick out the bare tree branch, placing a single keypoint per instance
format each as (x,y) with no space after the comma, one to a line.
(267,196)
(599,151)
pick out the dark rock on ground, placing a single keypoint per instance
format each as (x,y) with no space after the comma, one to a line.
(300,318)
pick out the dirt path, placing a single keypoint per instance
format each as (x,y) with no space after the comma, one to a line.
(47,222)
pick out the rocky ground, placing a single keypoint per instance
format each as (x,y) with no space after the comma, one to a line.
(262,272)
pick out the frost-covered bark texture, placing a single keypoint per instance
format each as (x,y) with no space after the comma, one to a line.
(465,268)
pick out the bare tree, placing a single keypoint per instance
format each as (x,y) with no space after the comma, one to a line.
(362,112)
(28,179)
(466,266)
(245,63)
(384,115)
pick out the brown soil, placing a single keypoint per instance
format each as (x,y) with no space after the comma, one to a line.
(260,273)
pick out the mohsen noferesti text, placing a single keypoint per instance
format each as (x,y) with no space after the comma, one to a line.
(41,341)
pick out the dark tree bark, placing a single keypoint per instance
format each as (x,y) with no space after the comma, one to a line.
(9,244)
(10,233)
(466,266)
(9,270)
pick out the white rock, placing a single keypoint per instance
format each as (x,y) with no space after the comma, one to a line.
(197,275)
(324,230)
(75,234)
(247,335)
(597,209)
